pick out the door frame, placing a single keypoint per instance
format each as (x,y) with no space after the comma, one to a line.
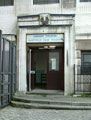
(59,46)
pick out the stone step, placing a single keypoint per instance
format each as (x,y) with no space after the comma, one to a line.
(48,106)
(44,93)
(52,102)
(40,101)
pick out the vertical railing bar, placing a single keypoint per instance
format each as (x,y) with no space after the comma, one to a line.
(14,47)
(12,60)
(83,77)
(10,70)
(15,68)
(90,79)
(74,79)
(0,63)
(9,75)
(3,69)
(77,77)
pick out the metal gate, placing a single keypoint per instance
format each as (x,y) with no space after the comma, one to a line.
(7,70)
(82,79)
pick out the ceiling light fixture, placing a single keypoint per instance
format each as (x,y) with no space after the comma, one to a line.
(52,47)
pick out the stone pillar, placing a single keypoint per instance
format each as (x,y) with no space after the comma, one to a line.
(22,61)
(72,57)
(69,49)
(69,61)
(66,62)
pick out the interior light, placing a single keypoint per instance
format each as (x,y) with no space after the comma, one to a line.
(52,46)
(46,47)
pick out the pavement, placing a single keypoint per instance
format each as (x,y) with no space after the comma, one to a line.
(11,113)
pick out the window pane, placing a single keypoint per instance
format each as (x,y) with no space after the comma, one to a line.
(87,59)
(54,61)
(2,3)
(52,1)
(86,63)
(86,70)
(85,0)
(6,2)
(45,1)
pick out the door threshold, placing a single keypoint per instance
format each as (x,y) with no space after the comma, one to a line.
(47,92)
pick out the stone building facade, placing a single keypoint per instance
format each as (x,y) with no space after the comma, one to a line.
(69,19)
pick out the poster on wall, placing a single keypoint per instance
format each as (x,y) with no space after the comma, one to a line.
(53,61)
(45,38)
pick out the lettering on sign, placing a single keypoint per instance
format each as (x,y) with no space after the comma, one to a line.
(45,38)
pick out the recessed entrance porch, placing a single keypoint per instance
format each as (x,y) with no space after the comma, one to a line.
(45,67)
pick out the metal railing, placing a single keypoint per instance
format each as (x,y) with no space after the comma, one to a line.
(82,79)
(7,71)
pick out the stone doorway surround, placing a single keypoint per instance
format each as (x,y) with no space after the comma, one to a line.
(53,23)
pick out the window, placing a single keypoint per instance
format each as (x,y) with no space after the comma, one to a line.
(6,2)
(86,63)
(45,1)
(85,0)
(69,3)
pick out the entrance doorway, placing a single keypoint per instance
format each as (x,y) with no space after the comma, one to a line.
(47,68)
(39,66)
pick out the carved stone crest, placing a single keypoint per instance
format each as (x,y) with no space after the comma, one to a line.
(44,19)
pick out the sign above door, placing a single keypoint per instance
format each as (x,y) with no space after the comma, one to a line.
(45,38)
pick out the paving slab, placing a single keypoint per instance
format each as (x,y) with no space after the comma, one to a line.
(11,113)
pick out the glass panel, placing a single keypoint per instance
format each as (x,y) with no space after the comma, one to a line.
(53,1)
(2,3)
(85,0)
(86,69)
(45,1)
(87,59)
(86,63)
(6,2)
(53,61)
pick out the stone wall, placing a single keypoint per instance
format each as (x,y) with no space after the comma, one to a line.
(8,20)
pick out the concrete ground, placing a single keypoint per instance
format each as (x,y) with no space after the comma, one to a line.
(10,113)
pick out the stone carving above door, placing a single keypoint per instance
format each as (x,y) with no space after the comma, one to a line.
(44,19)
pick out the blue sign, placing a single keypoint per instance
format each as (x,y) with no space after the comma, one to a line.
(45,38)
